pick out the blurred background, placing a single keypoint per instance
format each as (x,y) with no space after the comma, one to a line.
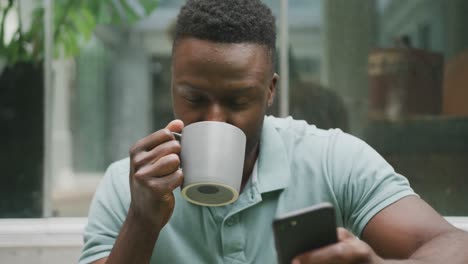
(81,81)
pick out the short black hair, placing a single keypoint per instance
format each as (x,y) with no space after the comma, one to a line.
(227,21)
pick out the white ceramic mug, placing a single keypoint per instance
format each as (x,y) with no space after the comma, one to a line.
(212,160)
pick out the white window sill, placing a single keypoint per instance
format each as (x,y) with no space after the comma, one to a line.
(59,240)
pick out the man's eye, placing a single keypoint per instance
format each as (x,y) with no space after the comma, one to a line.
(194,99)
(240,103)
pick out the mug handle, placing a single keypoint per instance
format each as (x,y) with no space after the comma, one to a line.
(177,136)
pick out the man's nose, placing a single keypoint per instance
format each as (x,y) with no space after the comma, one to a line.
(216,113)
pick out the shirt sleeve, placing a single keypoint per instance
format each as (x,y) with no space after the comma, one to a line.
(107,213)
(364,182)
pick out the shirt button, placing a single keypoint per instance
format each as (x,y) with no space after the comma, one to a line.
(230,222)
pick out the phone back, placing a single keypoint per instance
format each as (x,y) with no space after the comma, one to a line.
(304,230)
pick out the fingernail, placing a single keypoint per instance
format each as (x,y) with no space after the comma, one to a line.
(295,261)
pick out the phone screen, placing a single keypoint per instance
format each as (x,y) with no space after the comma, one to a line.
(304,230)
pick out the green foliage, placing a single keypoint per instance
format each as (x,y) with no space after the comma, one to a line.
(74,23)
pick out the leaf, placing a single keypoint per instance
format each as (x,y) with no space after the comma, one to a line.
(74,22)
(93,6)
(131,15)
(116,17)
(83,22)
(148,5)
(66,42)
(103,14)
(141,8)
(109,13)
(72,42)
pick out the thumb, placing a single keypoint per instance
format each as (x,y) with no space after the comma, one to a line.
(175,126)
(344,234)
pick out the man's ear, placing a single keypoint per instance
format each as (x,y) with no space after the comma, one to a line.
(272,89)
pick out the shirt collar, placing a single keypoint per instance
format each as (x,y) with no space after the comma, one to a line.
(254,174)
(273,162)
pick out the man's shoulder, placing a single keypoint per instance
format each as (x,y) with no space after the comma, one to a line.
(299,129)
(300,135)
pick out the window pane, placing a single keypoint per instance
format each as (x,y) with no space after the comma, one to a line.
(121,94)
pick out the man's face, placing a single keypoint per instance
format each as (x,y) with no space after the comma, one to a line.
(232,83)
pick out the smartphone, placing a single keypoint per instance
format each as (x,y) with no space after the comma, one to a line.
(304,230)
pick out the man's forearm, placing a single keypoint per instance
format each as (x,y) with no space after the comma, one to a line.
(135,242)
(450,247)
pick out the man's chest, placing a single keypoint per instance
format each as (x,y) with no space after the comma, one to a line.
(238,234)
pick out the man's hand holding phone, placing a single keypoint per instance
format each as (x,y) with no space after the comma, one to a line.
(348,249)
(310,235)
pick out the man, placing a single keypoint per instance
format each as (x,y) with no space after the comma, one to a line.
(223,71)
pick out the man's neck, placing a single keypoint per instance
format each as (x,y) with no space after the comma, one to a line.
(249,164)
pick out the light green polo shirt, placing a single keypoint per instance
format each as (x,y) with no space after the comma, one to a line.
(299,165)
